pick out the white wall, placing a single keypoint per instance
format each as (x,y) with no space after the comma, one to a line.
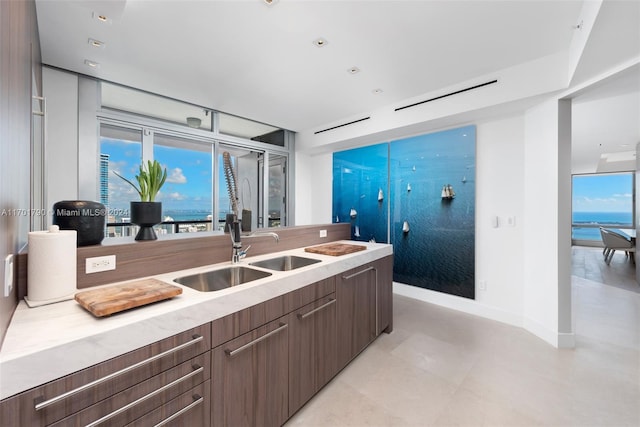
(313,188)
(547,239)
(61,174)
(499,251)
(541,193)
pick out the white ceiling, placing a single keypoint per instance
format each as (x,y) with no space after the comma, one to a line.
(249,59)
(606,125)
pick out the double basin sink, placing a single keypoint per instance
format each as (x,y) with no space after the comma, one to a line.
(227,277)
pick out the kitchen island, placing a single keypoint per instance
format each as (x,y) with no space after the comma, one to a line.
(52,342)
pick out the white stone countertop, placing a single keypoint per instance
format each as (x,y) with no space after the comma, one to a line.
(51,341)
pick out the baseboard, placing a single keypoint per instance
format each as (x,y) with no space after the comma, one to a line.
(556,339)
(465,305)
(457,303)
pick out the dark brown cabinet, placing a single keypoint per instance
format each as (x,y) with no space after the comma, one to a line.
(271,358)
(384,270)
(312,350)
(120,390)
(356,295)
(254,367)
(250,373)
(364,296)
(189,409)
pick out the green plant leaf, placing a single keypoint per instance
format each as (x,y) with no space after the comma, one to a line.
(151,177)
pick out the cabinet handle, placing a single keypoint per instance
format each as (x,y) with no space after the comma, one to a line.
(198,370)
(44,404)
(325,305)
(351,276)
(187,408)
(232,353)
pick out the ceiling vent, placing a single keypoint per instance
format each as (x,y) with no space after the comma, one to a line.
(342,125)
(448,94)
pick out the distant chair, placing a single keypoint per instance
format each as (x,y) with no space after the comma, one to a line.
(615,241)
(605,250)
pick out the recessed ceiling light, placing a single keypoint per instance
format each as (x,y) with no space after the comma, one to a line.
(270,2)
(320,42)
(101,18)
(92,64)
(96,43)
(353,70)
(377,91)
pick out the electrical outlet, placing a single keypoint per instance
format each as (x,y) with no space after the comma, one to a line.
(8,275)
(482,285)
(100,263)
(323,233)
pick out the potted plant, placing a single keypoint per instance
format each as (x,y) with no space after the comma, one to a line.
(147,212)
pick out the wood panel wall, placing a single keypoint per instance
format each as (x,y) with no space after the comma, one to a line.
(19,56)
(140,259)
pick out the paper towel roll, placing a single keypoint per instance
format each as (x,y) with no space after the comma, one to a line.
(51,266)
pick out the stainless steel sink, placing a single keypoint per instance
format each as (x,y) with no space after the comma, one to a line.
(285,263)
(223,278)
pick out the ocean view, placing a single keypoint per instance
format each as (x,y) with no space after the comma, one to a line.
(610,219)
(175,215)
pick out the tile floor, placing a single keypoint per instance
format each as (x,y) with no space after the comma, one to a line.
(445,368)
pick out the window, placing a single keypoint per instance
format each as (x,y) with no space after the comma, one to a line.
(136,126)
(601,200)
(187,202)
(120,151)
(243,171)
(277,188)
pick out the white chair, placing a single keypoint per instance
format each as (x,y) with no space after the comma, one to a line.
(605,250)
(615,241)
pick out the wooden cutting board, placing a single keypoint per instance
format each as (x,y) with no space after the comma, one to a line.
(335,249)
(105,301)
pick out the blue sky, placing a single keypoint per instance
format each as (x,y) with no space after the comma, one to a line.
(189,181)
(603,193)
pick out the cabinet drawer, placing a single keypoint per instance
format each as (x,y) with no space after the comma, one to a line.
(145,397)
(73,393)
(190,409)
(243,321)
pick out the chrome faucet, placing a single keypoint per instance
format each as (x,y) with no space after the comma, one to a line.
(264,233)
(238,252)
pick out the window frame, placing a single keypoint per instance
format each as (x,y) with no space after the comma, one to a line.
(150,126)
(598,242)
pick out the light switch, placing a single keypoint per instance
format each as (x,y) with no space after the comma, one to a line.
(8,275)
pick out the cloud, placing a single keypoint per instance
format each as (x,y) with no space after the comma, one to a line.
(174,196)
(176,176)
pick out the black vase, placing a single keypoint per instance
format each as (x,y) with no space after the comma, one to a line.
(146,215)
(84,216)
